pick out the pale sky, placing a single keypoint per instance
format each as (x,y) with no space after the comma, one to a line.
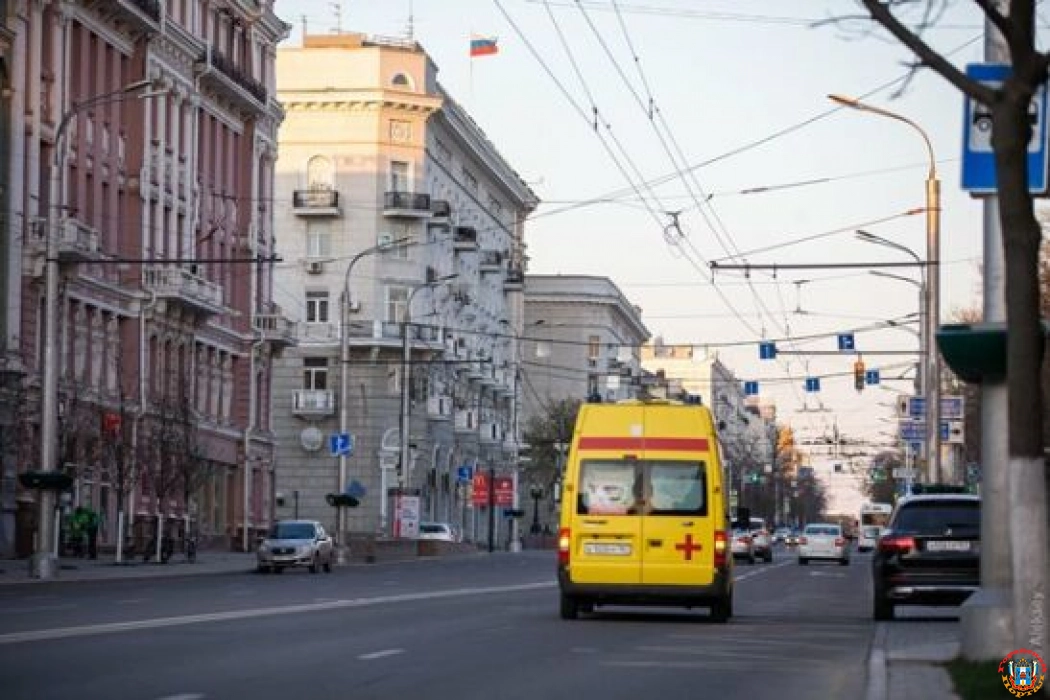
(723,75)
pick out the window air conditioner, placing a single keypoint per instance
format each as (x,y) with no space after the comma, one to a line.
(314,267)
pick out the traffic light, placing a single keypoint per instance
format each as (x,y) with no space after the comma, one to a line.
(337,500)
(46,481)
(858,375)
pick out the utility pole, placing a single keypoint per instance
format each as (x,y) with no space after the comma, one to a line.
(987,616)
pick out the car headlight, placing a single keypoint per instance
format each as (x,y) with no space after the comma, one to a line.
(264,548)
(304,549)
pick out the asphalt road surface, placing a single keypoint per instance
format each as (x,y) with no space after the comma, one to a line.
(475,627)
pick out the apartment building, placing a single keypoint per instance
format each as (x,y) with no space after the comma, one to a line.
(395,215)
(582,340)
(155,125)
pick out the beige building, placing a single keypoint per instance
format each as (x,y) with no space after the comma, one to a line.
(386,188)
(582,340)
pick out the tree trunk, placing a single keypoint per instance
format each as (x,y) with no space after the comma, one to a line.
(1028,474)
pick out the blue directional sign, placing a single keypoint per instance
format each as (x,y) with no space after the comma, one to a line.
(767,351)
(341,444)
(871,377)
(952,407)
(356,489)
(846,341)
(978,166)
(464,474)
(812,384)
(750,388)
(915,431)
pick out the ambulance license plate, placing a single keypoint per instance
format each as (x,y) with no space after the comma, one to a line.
(948,546)
(607,548)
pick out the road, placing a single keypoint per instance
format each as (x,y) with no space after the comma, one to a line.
(477,627)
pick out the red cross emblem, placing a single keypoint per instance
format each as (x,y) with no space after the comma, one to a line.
(688,547)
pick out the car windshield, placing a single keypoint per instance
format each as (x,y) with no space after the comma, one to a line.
(292,531)
(822,530)
(939,518)
(758,524)
(870,532)
(431,529)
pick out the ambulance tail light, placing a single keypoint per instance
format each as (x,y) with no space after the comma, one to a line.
(802,540)
(721,548)
(564,544)
(840,541)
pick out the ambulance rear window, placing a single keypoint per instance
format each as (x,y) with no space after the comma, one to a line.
(634,487)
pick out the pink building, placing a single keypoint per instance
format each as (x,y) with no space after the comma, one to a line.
(166,327)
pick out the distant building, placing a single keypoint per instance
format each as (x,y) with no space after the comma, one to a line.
(581,339)
(386,187)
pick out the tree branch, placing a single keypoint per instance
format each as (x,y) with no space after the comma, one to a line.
(881,13)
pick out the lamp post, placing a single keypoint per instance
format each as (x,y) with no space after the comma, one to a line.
(536,493)
(45,551)
(932,375)
(342,551)
(404,468)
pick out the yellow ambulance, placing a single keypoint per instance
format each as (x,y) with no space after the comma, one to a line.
(644,512)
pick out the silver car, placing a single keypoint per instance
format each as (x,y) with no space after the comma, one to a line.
(293,543)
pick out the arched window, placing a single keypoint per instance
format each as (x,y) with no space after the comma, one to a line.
(400,80)
(319,174)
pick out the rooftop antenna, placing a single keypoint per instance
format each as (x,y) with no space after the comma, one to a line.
(411,23)
(302,18)
(337,10)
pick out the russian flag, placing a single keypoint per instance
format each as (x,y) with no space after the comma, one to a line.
(483,45)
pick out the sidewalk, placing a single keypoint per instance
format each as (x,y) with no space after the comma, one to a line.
(906,657)
(14,571)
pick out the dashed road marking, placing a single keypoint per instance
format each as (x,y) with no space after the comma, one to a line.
(380,654)
(36,609)
(183,696)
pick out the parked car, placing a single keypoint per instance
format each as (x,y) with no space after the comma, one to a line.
(761,540)
(743,546)
(930,553)
(823,541)
(781,534)
(443,532)
(292,543)
(869,538)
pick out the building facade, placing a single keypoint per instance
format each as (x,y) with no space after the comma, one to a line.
(159,121)
(395,215)
(582,340)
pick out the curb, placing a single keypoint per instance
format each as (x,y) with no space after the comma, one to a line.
(878,674)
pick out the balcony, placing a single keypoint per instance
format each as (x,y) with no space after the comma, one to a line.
(234,81)
(73,242)
(274,328)
(504,383)
(440,209)
(316,202)
(515,279)
(414,205)
(464,238)
(312,403)
(491,261)
(466,421)
(185,286)
(439,408)
(142,15)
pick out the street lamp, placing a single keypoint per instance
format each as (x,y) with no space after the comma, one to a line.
(344,380)
(536,492)
(45,552)
(404,473)
(932,375)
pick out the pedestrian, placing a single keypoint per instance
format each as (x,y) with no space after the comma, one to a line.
(92,523)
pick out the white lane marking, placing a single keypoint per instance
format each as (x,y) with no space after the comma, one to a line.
(380,654)
(759,572)
(584,650)
(132,601)
(741,662)
(155,623)
(183,696)
(827,574)
(35,609)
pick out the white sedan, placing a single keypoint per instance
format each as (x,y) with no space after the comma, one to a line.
(823,541)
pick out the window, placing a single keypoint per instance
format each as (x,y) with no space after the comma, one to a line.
(315,373)
(929,518)
(318,239)
(401,80)
(677,488)
(609,488)
(320,175)
(399,181)
(594,347)
(396,301)
(469,181)
(317,307)
(631,487)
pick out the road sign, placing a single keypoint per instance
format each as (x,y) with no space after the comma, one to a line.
(846,341)
(915,430)
(750,388)
(767,351)
(465,473)
(905,473)
(812,384)
(952,407)
(341,444)
(871,376)
(978,166)
(503,491)
(481,489)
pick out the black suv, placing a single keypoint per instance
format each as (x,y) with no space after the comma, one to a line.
(930,553)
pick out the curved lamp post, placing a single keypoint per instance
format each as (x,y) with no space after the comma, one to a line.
(933,234)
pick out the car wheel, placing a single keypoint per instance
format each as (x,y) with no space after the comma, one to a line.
(262,569)
(586,607)
(751,559)
(882,608)
(722,608)
(315,565)
(769,557)
(569,609)
(328,564)
(278,569)
(844,561)
(803,561)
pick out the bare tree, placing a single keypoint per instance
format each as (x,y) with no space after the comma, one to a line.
(160,439)
(1008,103)
(120,461)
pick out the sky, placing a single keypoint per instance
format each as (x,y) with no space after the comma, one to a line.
(722,106)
